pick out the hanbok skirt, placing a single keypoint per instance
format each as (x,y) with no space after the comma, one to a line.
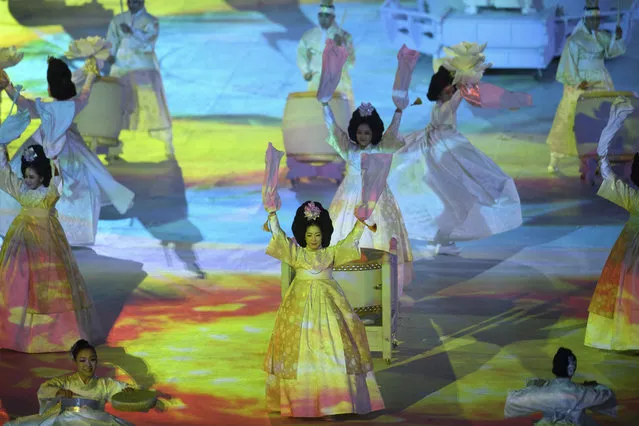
(45,305)
(388,218)
(449,191)
(88,186)
(319,361)
(613,320)
(81,417)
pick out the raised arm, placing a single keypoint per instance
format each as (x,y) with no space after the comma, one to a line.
(337,137)
(280,247)
(22,102)
(347,250)
(9,182)
(91,72)
(391,140)
(613,47)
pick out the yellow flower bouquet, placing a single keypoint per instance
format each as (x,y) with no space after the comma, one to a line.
(95,46)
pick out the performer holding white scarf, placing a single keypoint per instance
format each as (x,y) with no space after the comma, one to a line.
(581,69)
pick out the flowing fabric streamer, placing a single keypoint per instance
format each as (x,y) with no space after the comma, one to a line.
(406,61)
(485,95)
(333,60)
(270,197)
(375,169)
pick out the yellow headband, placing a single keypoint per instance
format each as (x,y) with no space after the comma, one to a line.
(329,9)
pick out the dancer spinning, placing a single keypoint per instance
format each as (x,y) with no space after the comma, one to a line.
(44,303)
(449,190)
(78,398)
(318,361)
(613,321)
(366,135)
(87,181)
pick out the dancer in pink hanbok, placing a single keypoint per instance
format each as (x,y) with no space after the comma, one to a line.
(447,189)
(88,184)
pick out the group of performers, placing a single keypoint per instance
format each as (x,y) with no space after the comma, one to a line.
(440,189)
(318,362)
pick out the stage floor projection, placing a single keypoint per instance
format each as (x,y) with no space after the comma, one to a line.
(471,328)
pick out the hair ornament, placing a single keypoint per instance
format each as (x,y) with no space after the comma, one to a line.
(366,109)
(30,155)
(591,11)
(311,212)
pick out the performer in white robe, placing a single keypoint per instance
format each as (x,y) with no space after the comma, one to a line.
(88,184)
(562,401)
(311,47)
(581,69)
(447,189)
(133,35)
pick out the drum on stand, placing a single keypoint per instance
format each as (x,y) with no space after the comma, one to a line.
(361,282)
(591,117)
(308,155)
(102,120)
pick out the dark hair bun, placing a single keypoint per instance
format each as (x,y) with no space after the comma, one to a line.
(81,345)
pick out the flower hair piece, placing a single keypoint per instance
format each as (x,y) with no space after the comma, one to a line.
(30,155)
(311,212)
(366,109)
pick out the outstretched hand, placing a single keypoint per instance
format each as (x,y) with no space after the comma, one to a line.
(125,28)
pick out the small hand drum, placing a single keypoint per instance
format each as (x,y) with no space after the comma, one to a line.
(137,400)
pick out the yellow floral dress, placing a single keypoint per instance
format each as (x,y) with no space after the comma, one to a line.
(318,360)
(44,302)
(613,320)
(98,389)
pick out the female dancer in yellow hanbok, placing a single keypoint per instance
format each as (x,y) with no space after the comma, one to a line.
(318,362)
(77,399)
(613,319)
(44,302)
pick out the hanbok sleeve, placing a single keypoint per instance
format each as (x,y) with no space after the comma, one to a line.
(347,250)
(9,182)
(48,390)
(620,193)
(146,36)
(337,137)
(612,46)
(280,247)
(391,141)
(113,37)
(527,401)
(600,398)
(567,70)
(91,72)
(22,102)
(348,41)
(303,57)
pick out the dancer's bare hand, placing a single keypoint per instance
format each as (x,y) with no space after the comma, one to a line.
(308,76)
(338,39)
(583,85)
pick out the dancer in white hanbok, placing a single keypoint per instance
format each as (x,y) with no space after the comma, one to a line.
(562,401)
(366,135)
(447,189)
(88,184)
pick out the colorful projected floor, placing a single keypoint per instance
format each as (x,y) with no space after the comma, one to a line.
(472,327)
